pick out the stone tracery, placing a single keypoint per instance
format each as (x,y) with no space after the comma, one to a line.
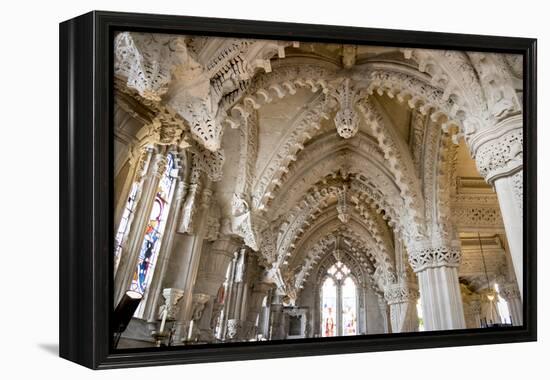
(292,153)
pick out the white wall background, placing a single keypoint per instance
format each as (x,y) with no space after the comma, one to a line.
(29,186)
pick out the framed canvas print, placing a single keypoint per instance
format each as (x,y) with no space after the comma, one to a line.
(237,189)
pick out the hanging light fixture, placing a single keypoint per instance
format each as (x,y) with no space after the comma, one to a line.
(490,292)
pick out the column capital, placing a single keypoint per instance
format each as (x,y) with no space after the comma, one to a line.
(509,291)
(498,150)
(400,293)
(199,302)
(423,255)
(159,165)
(171,297)
(262,287)
(226,244)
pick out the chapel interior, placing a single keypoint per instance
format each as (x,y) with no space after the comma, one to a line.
(269,190)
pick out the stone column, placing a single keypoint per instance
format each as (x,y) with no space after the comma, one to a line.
(436,265)
(385,312)
(362,317)
(212,271)
(472,308)
(259,291)
(263,324)
(498,152)
(237,298)
(130,254)
(186,258)
(276,324)
(511,295)
(402,299)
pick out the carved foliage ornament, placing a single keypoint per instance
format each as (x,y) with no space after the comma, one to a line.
(146,60)
(500,155)
(434,256)
(399,293)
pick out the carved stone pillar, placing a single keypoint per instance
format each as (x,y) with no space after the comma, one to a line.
(186,258)
(385,312)
(277,318)
(402,299)
(263,324)
(129,257)
(472,308)
(436,266)
(212,271)
(236,301)
(498,152)
(259,291)
(511,295)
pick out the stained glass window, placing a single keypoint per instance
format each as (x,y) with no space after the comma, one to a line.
(349,307)
(155,228)
(328,326)
(125,223)
(338,302)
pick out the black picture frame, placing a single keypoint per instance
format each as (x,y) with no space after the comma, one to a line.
(86,191)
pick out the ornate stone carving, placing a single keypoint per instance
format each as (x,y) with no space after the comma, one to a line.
(147,61)
(500,155)
(399,293)
(496,80)
(211,163)
(199,303)
(213,223)
(509,291)
(346,119)
(242,222)
(299,133)
(403,170)
(342,207)
(432,256)
(171,297)
(517,187)
(475,216)
(234,327)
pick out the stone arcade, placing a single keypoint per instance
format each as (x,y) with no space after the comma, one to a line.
(280,189)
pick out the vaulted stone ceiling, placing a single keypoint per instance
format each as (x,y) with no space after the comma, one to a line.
(318,142)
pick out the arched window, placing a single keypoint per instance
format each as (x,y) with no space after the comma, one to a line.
(349,307)
(155,229)
(338,302)
(329,319)
(125,223)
